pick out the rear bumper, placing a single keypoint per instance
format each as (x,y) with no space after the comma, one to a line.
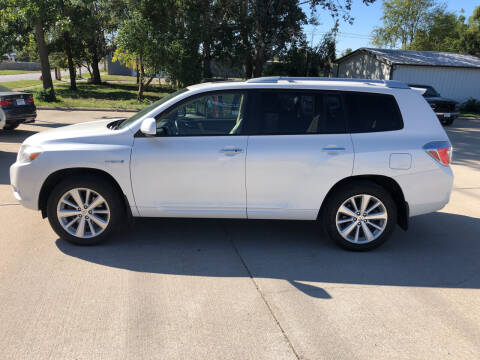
(446,115)
(427,191)
(16,116)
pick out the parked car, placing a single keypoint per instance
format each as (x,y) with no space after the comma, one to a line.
(446,109)
(16,108)
(359,157)
(3,119)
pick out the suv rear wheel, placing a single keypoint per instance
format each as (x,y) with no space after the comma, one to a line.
(10,126)
(447,122)
(360,216)
(85,210)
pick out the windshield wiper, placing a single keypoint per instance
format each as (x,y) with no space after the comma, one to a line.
(114,125)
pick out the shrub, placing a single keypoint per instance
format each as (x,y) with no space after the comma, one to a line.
(44,94)
(471,105)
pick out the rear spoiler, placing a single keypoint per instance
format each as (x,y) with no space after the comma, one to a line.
(420,90)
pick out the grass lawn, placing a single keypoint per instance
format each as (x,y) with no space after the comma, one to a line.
(20,84)
(470,114)
(15,72)
(106,77)
(114,96)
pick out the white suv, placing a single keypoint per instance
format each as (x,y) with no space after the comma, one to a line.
(359,156)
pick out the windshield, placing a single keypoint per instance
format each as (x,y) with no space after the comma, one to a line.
(149,108)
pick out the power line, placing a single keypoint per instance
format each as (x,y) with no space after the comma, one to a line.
(342,34)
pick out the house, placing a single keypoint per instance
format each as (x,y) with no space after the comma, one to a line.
(456,76)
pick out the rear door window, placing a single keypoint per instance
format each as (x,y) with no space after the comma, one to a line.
(368,112)
(292,112)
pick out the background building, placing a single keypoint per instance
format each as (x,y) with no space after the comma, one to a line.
(456,76)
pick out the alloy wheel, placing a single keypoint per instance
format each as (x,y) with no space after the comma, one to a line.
(83,213)
(361,219)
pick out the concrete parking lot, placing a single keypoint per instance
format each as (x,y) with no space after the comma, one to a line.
(225,289)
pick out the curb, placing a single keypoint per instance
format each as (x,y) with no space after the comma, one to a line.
(85,109)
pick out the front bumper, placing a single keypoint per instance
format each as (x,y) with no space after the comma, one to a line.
(24,179)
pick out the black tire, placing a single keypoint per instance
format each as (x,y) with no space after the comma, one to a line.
(345,192)
(447,122)
(101,186)
(10,126)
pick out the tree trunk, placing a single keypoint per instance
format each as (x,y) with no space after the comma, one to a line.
(207,72)
(137,71)
(245,41)
(149,81)
(95,70)
(248,66)
(259,59)
(71,66)
(44,62)
(140,79)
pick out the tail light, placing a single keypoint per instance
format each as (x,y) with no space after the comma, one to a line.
(30,100)
(5,103)
(441,151)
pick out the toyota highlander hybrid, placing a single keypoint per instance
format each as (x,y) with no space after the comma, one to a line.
(358,156)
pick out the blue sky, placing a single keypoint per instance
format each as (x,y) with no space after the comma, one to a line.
(366,18)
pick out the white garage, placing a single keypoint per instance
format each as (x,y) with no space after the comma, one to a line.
(456,76)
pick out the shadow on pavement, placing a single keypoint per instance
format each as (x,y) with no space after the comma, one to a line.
(47,124)
(15,136)
(6,159)
(439,250)
(464,134)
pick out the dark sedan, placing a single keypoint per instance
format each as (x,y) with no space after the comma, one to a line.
(16,108)
(446,109)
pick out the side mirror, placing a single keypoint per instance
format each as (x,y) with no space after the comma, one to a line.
(149,127)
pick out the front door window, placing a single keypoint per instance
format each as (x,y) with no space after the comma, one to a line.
(213,114)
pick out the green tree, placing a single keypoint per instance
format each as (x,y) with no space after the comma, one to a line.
(138,44)
(94,25)
(66,44)
(402,19)
(346,52)
(443,32)
(470,41)
(19,18)
(304,60)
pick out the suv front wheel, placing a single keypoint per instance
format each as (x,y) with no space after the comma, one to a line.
(360,216)
(85,210)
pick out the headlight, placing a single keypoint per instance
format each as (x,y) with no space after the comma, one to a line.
(28,153)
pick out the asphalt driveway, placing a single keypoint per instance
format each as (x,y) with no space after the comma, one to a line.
(231,289)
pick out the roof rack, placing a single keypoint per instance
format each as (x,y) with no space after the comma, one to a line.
(275,79)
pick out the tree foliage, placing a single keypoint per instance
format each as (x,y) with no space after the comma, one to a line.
(304,60)
(424,25)
(402,19)
(181,38)
(443,32)
(471,37)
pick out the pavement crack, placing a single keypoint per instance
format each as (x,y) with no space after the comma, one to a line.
(277,322)
(9,204)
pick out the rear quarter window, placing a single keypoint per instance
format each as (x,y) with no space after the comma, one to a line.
(368,112)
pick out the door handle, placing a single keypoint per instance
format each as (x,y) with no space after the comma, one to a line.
(231,151)
(333,149)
